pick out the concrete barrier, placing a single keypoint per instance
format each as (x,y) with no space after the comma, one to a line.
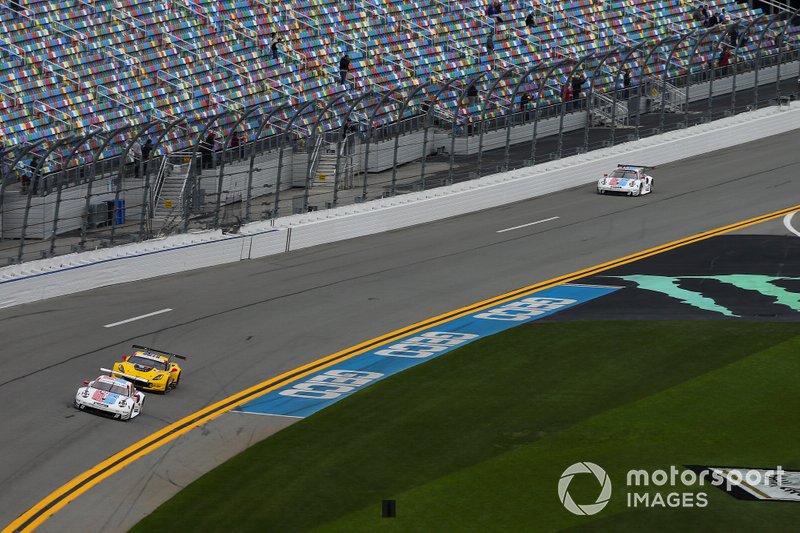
(57,276)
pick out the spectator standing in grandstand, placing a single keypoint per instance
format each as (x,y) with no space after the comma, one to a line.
(724,59)
(626,83)
(234,145)
(712,20)
(136,158)
(566,93)
(472,95)
(489,44)
(524,100)
(530,21)
(207,150)
(274,48)
(498,9)
(701,14)
(344,68)
(578,79)
(490,10)
(722,17)
(33,175)
(15,7)
(147,150)
(733,36)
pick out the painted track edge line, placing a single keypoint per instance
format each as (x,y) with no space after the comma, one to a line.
(51,504)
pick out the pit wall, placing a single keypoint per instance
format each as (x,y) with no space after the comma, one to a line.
(47,278)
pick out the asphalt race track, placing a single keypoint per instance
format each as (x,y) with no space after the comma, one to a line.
(243,323)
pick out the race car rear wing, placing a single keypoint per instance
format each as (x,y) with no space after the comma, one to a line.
(124,375)
(625,165)
(170,355)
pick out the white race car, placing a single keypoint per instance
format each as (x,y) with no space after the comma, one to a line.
(111,395)
(632,180)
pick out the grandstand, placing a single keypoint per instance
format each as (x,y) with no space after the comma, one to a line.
(81,81)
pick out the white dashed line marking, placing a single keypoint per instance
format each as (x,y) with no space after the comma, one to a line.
(528,224)
(154,313)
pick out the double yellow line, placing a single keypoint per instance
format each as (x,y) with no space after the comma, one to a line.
(50,505)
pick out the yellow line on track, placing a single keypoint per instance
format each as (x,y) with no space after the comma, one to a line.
(50,505)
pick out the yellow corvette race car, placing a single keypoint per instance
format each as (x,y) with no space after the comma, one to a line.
(156,369)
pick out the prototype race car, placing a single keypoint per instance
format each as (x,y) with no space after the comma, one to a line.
(626,179)
(111,395)
(154,369)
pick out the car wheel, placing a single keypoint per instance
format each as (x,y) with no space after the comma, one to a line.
(641,188)
(600,191)
(652,185)
(78,405)
(177,380)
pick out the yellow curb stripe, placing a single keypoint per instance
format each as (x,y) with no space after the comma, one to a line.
(56,500)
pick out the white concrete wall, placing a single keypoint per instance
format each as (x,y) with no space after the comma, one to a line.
(73,203)
(56,276)
(745,80)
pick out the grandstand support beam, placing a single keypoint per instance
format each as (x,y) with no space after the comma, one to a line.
(758,58)
(744,32)
(37,183)
(403,107)
(665,77)
(312,141)
(372,116)
(707,33)
(261,126)
(225,145)
(456,113)
(194,174)
(510,114)
(431,106)
(564,62)
(715,55)
(81,142)
(285,132)
(641,72)
(24,152)
(97,154)
(575,68)
(488,98)
(779,47)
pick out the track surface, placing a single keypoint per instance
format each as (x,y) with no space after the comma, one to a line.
(243,323)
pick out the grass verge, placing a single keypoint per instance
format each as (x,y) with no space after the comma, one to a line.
(477,439)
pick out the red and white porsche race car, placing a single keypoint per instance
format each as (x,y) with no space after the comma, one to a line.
(631,180)
(111,395)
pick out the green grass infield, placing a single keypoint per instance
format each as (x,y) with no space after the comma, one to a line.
(477,439)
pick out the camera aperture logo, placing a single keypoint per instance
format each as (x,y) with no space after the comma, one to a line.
(585,509)
(677,487)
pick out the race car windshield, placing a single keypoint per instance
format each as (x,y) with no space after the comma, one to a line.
(624,174)
(110,387)
(141,361)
